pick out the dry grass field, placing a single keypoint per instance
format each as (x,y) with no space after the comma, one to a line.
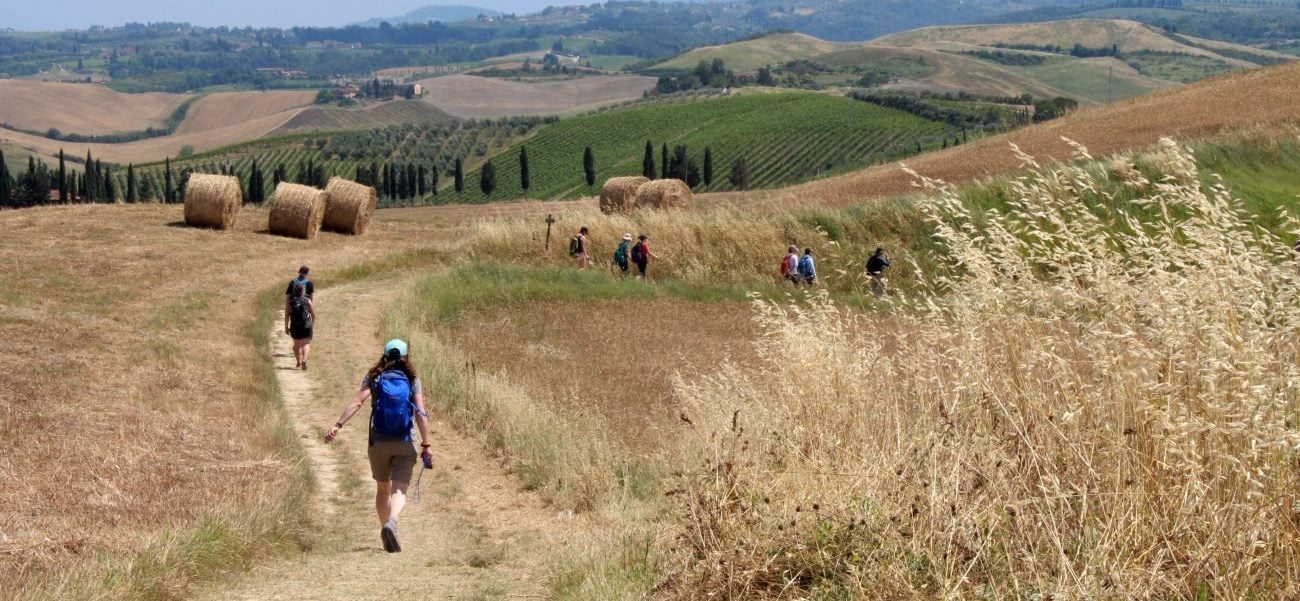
(749,55)
(136,401)
(82,108)
(375,116)
(221,110)
(1129,36)
(608,364)
(154,149)
(1069,421)
(471,97)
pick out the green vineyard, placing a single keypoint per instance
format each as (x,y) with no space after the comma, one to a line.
(784,138)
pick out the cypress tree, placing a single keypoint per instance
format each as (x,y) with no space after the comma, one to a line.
(589,166)
(130,183)
(421,177)
(648,162)
(433,180)
(256,184)
(663,162)
(412,186)
(5,189)
(740,174)
(677,165)
(110,191)
(63,179)
(523,169)
(487,179)
(72,186)
(460,178)
(169,192)
(708,166)
(87,192)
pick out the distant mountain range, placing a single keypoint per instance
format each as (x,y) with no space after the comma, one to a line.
(435,12)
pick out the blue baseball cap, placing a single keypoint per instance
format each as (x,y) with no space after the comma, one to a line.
(395,346)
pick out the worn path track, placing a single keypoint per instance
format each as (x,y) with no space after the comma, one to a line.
(475,534)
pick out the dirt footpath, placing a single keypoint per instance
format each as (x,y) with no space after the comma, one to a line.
(475,534)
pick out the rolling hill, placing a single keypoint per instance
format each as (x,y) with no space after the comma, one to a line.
(749,55)
(1002,60)
(1202,109)
(396,112)
(784,137)
(472,97)
(85,109)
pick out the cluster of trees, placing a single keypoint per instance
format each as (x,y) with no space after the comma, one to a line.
(678,165)
(1014,59)
(975,117)
(707,74)
(1077,50)
(1046,110)
(95,183)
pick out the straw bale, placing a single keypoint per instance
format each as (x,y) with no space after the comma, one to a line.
(618,195)
(348,206)
(664,194)
(297,210)
(212,200)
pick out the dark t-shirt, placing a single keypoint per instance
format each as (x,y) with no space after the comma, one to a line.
(877,264)
(305,283)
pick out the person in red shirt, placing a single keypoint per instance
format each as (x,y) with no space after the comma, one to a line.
(641,255)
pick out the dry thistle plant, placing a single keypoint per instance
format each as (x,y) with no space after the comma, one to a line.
(1100,404)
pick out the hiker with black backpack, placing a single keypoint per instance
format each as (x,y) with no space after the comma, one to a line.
(578,248)
(641,255)
(299,319)
(396,402)
(301,280)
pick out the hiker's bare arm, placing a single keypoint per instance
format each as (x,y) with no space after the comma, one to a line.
(421,418)
(351,409)
(311,307)
(286,313)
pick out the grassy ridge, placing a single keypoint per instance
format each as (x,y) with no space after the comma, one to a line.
(786,138)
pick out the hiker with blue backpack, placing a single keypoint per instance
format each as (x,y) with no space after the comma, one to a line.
(807,270)
(396,402)
(299,319)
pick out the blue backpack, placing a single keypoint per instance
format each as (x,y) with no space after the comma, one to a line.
(391,406)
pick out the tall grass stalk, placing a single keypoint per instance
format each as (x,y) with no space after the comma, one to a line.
(1087,411)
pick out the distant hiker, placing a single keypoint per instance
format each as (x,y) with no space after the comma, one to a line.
(301,280)
(641,255)
(299,318)
(578,248)
(807,270)
(622,254)
(876,269)
(790,265)
(396,401)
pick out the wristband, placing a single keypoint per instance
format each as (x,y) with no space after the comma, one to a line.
(338,425)
(425,445)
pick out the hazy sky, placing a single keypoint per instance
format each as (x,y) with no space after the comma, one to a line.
(46,15)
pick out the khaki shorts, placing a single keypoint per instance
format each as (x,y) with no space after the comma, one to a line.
(391,460)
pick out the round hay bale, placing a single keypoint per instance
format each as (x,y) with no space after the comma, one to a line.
(618,195)
(297,210)
(212,200)
(348,206)
(664,194)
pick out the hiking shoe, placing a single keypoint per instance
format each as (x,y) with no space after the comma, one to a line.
(304,366)
(389,535)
